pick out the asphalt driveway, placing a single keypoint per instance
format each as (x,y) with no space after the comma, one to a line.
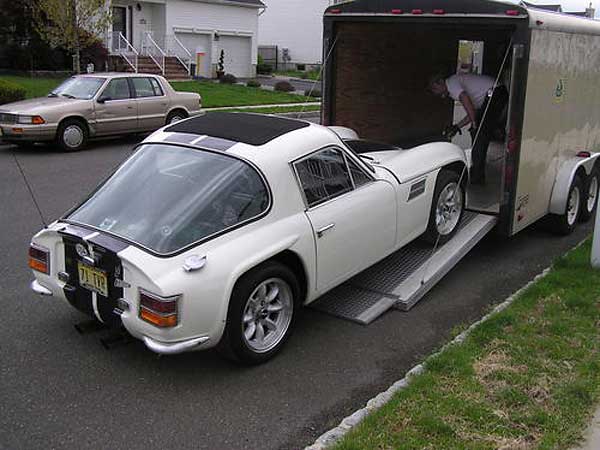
(59,389)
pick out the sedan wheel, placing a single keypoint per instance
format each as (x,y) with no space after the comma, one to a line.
(267,315)
(261,315)
(72,135)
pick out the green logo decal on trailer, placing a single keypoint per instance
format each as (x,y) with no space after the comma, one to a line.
(560,90)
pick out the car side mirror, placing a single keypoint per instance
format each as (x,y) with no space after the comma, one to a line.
(103,99)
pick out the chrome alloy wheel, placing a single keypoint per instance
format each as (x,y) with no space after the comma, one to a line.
(267,315)
(592,194)
(573,205)
(448,209)
(73,136)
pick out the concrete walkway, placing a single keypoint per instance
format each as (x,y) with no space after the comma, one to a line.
(592,434)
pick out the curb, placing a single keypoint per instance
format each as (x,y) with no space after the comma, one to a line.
(273,105)
(335,434)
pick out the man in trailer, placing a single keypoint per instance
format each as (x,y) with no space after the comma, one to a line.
(477,94)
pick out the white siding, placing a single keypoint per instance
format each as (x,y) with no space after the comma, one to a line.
(294,24)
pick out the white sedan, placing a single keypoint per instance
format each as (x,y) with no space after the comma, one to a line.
(220,227)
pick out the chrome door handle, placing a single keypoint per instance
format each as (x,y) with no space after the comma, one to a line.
(325,229)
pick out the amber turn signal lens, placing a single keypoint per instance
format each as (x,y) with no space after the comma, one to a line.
(37,120)
(158,319)
(39,258)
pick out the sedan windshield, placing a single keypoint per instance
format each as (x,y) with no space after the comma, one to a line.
(83,88)
(167,197)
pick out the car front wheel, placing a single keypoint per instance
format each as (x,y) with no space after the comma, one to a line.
(447,207)
(72,135)
(261,314)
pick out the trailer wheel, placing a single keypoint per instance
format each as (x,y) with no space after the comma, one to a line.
(565,223)
(589,200)
(447,208)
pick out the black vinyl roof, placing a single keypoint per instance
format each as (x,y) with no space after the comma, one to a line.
(253,129)
(427,6)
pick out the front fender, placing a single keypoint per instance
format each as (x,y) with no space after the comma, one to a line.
(564,178)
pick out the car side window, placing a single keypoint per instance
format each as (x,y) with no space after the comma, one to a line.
(359,177)
(117,89)
(324,175)
(144,87)
(157,87)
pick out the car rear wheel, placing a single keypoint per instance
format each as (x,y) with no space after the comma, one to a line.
(565,223)
(176,116)
(72,135)
(590,199)
(447,208)
(261,315)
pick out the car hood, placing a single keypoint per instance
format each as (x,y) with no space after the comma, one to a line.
(41,105)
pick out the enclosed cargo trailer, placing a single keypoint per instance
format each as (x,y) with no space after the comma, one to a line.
(379,56)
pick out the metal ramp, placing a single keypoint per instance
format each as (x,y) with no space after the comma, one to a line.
(404,277)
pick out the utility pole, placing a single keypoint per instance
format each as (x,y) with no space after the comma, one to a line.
(76,48)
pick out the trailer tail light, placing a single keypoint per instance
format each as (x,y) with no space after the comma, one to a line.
(584,154)
(512,147)
(417,11)
(512,12)
(39,258)
(439,12)
(335,11)
(160,311)
(397,11)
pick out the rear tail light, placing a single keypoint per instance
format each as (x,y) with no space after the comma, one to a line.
(417,11)
(39,258)
(584,154)
(397,11)
(512,12)
(439,11)
(160,311)
(335,11)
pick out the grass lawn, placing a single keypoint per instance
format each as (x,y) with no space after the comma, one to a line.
(213,94)
(528,378)
(279,109)
(312,75)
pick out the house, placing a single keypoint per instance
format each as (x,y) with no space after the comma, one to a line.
(295,27)
(590,12)
(180,38)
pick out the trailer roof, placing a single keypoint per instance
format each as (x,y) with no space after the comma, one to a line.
(537,18)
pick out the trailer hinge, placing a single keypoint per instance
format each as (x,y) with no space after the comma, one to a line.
(518,51)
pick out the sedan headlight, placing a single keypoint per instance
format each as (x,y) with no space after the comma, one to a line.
(31,120)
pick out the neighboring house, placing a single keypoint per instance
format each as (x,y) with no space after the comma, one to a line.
(166,36)
(590,12)
(296,25)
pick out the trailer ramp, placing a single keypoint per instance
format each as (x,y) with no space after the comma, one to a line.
(403,278)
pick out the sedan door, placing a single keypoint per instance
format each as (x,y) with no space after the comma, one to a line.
(152,103)
(353,215)
(116,109)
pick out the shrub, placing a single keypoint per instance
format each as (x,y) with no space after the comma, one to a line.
(228,78)
(11,92)
(253,83)
(284,86)
(264,69)
(313,93)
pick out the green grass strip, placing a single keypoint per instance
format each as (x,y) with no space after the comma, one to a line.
(527,378)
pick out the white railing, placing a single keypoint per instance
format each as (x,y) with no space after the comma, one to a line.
(175,48)
(154,52)
(119,45)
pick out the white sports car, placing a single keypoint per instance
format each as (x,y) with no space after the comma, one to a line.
(220,227)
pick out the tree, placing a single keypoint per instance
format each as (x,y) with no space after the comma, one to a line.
(72,24)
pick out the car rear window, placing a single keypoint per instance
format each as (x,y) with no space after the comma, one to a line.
(167,197)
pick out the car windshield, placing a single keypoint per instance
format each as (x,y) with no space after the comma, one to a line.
(166,197)
(83,88)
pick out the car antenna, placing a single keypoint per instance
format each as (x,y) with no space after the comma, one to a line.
(37,206)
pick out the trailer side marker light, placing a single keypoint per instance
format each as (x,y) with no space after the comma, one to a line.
(397,11)
(539,22)
(584,154)
(439,11)
(335,11)
(417,11)
(512,12)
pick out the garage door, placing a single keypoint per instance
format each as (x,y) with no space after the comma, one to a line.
(238,55)
(194,43)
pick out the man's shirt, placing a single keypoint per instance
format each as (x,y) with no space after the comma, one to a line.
(476,87)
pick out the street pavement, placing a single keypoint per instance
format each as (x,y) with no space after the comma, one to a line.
(59,389)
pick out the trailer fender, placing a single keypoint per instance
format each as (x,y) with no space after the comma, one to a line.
(566,173)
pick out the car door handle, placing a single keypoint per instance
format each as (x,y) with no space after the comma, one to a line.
(325,229)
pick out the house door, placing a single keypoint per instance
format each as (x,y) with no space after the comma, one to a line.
(119,14)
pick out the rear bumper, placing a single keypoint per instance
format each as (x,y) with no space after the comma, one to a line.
(175,347)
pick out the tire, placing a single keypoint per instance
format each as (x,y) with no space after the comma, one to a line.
(176,116)
(589,201)
(72,135)
(248,314)
(445,216)
(565,223)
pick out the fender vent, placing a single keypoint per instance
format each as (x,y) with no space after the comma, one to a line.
(417,189)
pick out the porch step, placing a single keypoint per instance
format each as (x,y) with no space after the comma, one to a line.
(173,68)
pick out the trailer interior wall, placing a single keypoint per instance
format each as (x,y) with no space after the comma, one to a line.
(381,71)
(562,113)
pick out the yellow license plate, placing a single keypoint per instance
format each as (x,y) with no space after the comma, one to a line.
(93,279)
